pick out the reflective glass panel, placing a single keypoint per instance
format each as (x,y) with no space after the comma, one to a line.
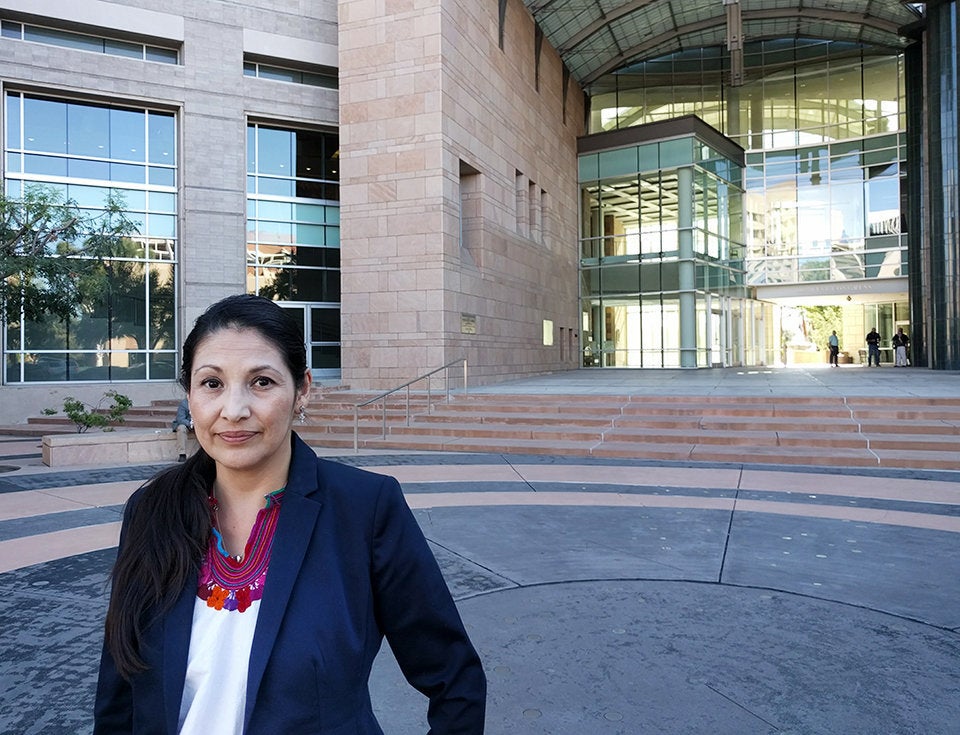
(161,138)
(45,125)
(127,135)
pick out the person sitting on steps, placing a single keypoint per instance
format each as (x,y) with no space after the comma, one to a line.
(182,425)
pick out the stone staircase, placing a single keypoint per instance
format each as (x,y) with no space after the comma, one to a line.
(861,432)
(825,431)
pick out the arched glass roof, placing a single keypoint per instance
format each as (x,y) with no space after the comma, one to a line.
(597,37)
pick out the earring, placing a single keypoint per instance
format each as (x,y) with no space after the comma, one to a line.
(301,414)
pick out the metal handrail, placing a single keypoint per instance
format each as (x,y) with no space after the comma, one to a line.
(382,396)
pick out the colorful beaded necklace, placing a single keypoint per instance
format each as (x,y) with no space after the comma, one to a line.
(230,583)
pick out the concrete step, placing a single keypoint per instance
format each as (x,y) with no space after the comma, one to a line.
(788,430)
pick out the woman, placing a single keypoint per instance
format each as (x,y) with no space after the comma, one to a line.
(254,582)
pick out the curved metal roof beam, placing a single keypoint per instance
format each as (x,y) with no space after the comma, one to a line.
(635,5)
(588,30)
(854,19)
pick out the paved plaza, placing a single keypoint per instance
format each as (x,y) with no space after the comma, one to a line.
(618,596)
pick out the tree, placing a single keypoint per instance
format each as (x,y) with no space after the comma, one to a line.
(821,320)
(84,416)
(52,252)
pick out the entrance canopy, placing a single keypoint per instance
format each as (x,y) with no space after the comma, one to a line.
(597,37)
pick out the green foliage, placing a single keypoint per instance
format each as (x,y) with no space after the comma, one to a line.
(52,253)
(86,416)
(821,321)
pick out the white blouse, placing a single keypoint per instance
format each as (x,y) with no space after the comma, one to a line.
(215,688)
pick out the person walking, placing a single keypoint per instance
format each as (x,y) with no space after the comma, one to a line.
(901,343)
(834,343)
(873,347)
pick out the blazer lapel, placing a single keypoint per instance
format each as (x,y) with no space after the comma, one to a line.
(298,516)
(176,646)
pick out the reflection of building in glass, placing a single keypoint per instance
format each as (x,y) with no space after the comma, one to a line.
(661,241)
(822,124)
(87,150)
(293,231)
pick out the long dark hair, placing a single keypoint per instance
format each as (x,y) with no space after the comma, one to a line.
(167,523)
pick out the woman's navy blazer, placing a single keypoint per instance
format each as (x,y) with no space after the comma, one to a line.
(349,566)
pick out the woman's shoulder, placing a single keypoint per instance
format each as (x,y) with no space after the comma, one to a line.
(353,484)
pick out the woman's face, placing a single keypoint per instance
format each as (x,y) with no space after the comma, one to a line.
(243,400)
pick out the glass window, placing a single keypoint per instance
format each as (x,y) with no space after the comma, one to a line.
(589,167)
(162,176)
(162,306)
(277,74)
(251,151)
(311,212)
(287,233)
(88,196)
(618,162)
(310,156)
(275,187)
(110,336)
(163,202)
(88,131)
(123,48)
(128,173)
(161,225)
(163,55)
(127,141)
(62,38)
(85,42)
(79,168)
(161,140)
(45,165)
(325,356)
(846,215)
(275,152)
(676,152)
(274,210)
(13,121)
(45,123)
(309,234)
(324,325)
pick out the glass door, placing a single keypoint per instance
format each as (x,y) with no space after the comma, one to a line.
(321,329)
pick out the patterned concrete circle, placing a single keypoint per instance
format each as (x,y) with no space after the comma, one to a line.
(627,657)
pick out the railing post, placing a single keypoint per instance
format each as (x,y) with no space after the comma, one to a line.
(383,397)
(356,429)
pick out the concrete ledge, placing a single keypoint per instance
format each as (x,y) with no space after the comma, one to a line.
(112,447)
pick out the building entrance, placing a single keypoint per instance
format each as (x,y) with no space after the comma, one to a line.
(321,329)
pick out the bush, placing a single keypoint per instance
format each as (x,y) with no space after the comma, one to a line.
(85,415)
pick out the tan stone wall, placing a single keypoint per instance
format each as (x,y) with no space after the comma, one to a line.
(424,86)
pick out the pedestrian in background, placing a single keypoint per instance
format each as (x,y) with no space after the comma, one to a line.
(873,347)
(901,344)
(834,343)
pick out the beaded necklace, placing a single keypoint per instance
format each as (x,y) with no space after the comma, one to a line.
(234,583)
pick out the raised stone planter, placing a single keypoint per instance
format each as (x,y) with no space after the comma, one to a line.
(134,446)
